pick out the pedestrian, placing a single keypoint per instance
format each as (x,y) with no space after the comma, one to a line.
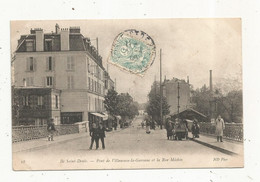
(195,129)
(51,129)
(142,124)
(153,125)
(220,126)
(148,124)
(101,133)
(94,136)
(115,124)
(169,129)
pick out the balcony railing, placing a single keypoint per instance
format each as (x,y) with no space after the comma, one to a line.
(231,131)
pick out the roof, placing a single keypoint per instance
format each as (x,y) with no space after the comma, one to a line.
(77,42)
(189,110)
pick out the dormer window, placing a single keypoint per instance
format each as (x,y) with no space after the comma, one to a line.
(29,45)
(48,44)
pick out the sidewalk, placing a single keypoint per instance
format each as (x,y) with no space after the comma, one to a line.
(227,146)
(43,142)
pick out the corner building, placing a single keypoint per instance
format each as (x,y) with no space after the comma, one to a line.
(64,60)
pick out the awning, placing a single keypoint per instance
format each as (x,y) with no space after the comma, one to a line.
(97,114)
(105,116)
(118,117)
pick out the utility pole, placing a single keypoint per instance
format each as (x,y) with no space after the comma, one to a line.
(178,97)
(161,115)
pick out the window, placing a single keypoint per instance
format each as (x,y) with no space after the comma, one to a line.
(56,101)
(49,81)
(48,45)
(89,103)
(88,64)
(70,82)
(30,64)
(89,83)
(29,45)
(26,100)
(40,101)
(70,63)
(106,86)
(93,85)
(28,81)
(49,63)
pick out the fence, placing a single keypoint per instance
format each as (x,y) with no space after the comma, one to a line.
(23,133)
(231,131)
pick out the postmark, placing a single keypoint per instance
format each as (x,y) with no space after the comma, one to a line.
(133,51)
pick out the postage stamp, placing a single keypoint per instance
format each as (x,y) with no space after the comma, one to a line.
(133,51)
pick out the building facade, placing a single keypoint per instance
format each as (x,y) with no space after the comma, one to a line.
(64,60)
(177,93)
(34,106)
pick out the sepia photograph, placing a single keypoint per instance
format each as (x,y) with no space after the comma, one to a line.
(127,94)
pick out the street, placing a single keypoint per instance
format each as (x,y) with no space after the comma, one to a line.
(122,146)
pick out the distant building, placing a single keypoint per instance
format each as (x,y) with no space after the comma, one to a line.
(109,83)
(170,91)
(62,60)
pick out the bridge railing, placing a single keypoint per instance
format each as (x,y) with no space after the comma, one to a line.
(231,131)
(24,133)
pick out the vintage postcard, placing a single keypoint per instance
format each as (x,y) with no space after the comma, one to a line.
(127,94)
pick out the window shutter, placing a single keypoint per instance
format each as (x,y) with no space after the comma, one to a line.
(44,81)
(72,82)
(53,82)
(27,64)
(34,64)
(68,82)
(32,81)
(72,63)
(47,63)
(53,63)
(68,63)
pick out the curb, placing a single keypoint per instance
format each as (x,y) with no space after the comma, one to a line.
(214,147)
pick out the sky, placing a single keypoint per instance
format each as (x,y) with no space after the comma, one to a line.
(190,47)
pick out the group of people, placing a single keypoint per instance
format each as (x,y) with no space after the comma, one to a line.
(96,133)
(171,128)
(195,129)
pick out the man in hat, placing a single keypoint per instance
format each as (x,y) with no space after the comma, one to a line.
(101,133)
(94,136)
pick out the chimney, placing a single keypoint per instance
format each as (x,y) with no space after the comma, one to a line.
(210,81)
(74,29)
(57,28)
(64,39)
(39,39)
(188,80)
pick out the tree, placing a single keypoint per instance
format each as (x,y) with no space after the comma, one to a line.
(126,106)
(111,102)
(230,106)
(153,105)
(227,97)
(201,100)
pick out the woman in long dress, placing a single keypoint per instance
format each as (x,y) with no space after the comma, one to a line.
(169,129)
